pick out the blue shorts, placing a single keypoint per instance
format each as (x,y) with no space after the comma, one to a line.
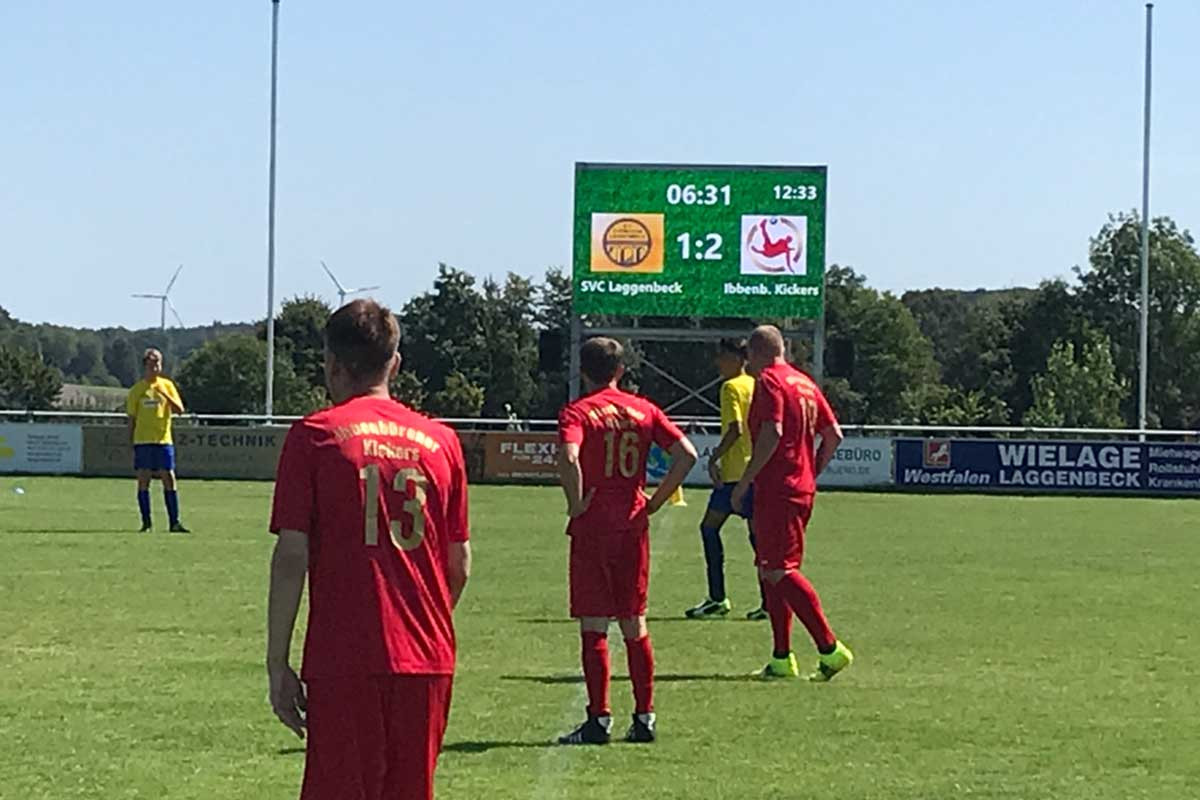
(154,457)
(721,501)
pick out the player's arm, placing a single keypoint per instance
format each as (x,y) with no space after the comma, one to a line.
(769,397)
(730,411)
(733,408)
(289,566)
(131,413)
(291,519)
(765,445)
(570,473)
(733,432)
(458,570)
(171,395)
(458,555)
(829,431)
(683,458)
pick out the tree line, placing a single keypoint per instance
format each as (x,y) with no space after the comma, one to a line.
(35,360)
(1061,354)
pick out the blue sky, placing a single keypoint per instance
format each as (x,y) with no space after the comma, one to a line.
(969,144)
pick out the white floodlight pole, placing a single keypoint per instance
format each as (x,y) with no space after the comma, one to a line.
(270,377)
(1144,327)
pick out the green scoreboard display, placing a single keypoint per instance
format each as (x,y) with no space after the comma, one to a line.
(666,240)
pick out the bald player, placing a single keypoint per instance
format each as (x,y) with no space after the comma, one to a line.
(788,415)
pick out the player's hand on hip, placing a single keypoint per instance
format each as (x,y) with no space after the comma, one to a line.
(714,472)
(287,698)
(581,509)
(653,506)
(739,496)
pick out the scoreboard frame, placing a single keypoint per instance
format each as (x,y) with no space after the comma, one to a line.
(692,240)
(646,250)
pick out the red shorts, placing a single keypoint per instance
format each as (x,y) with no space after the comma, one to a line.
(779,531)
(375,738)
(610,573)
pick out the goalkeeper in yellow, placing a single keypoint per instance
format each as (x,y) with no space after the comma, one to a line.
(151,403)
(726,465)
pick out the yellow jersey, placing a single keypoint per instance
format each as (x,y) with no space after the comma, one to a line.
(735,407)
(150,412)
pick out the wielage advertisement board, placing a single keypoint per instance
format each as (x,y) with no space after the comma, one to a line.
(1069,467)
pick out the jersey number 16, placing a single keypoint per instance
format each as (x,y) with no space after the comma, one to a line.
(622,457)
(414,507)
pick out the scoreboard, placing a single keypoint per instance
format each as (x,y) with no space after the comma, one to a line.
(667,240)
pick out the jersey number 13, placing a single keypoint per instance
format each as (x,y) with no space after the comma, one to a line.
(410,483)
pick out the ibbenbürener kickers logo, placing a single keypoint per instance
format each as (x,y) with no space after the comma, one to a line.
(774,245)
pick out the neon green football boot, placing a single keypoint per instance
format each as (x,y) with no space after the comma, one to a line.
(828,666)
(785,668)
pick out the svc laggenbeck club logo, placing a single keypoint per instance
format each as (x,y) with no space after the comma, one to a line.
(629,243)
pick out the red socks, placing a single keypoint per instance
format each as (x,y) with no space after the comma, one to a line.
(781,619)
(795,590)
(596,672)
(641,673)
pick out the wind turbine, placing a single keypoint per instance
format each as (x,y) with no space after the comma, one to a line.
(342,291)
(165,301)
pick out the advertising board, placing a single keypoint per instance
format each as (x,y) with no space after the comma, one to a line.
(1114,467)
(202,451)
(40,449)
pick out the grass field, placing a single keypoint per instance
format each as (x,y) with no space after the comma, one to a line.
(1008,648)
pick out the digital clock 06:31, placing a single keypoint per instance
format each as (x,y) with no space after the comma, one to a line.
(693,195)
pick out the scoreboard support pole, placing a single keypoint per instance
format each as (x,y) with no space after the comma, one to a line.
(818,356)
(580,330)
(573,382)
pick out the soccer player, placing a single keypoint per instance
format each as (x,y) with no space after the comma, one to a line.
(605,437)
(151,404)
(787,415)
(370,502)
(725,466)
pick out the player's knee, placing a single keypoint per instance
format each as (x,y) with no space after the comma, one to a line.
(593,624)
(633,627)
(771,576)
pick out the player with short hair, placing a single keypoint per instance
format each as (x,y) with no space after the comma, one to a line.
(370,503)
(725,466)
(787,416)
(605,436)
(150,405)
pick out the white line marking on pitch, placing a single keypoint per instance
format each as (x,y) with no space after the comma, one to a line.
(555,761)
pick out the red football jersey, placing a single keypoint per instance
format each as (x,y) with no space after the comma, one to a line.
(381,491)
(614,431)
(785,395)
